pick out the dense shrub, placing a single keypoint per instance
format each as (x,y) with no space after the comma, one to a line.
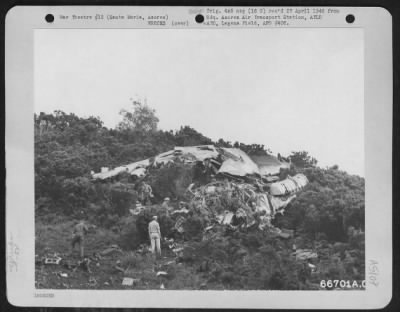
(330,204)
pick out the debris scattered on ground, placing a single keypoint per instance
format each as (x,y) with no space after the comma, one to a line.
(179,224)
(203,286)
(170,262)
(312,267)
(208,228)
(305,254)
(127,281)
(179,211)
(118,268)
(92,281)
(283,233)
(96,256)
(178,251)
(110,250)
(69,264)
(52,260)
(84,264)
(161,273)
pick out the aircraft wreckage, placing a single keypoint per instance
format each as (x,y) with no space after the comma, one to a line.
(253,180)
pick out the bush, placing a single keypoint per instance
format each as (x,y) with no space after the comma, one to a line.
(123,197)
(129,238)
(252,241)
(193,228)
(227,278)
(131,260)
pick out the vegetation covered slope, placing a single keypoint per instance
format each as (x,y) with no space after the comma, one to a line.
(326,217)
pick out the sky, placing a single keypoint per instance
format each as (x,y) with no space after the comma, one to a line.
(290,89)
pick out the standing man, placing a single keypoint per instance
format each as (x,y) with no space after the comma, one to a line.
(165,205)
(146,193)
(155,237)
(78,236)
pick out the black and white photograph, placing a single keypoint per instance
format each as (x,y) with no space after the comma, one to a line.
(199,159)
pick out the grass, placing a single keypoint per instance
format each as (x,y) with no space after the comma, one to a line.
(56,238)
(226,271)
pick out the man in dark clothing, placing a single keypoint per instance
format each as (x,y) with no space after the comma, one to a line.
(78,236)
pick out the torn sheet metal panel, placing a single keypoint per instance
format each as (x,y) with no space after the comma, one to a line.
(225,218)
(127,281)
(52,260)
(262,204)
(108,174)
(179,224)
(305,254)
(164,158)
(201,152)
(289,185)
(139,172)
(183,210)
(270,179)
(242,165)
(227,154)
(265,221)
(246,163)
(300,179)
(139,164)
(241,213)
(279,203)
(269,164)
(210,189)
(131,168)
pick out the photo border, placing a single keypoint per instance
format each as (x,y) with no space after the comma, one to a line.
(377,24)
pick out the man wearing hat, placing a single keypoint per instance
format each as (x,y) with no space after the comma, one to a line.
(155,236)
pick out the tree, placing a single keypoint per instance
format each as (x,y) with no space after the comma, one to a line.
(187,136)
(142,118)
(312,220)
(302,159)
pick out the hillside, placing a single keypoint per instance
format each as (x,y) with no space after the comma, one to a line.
(319,235)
